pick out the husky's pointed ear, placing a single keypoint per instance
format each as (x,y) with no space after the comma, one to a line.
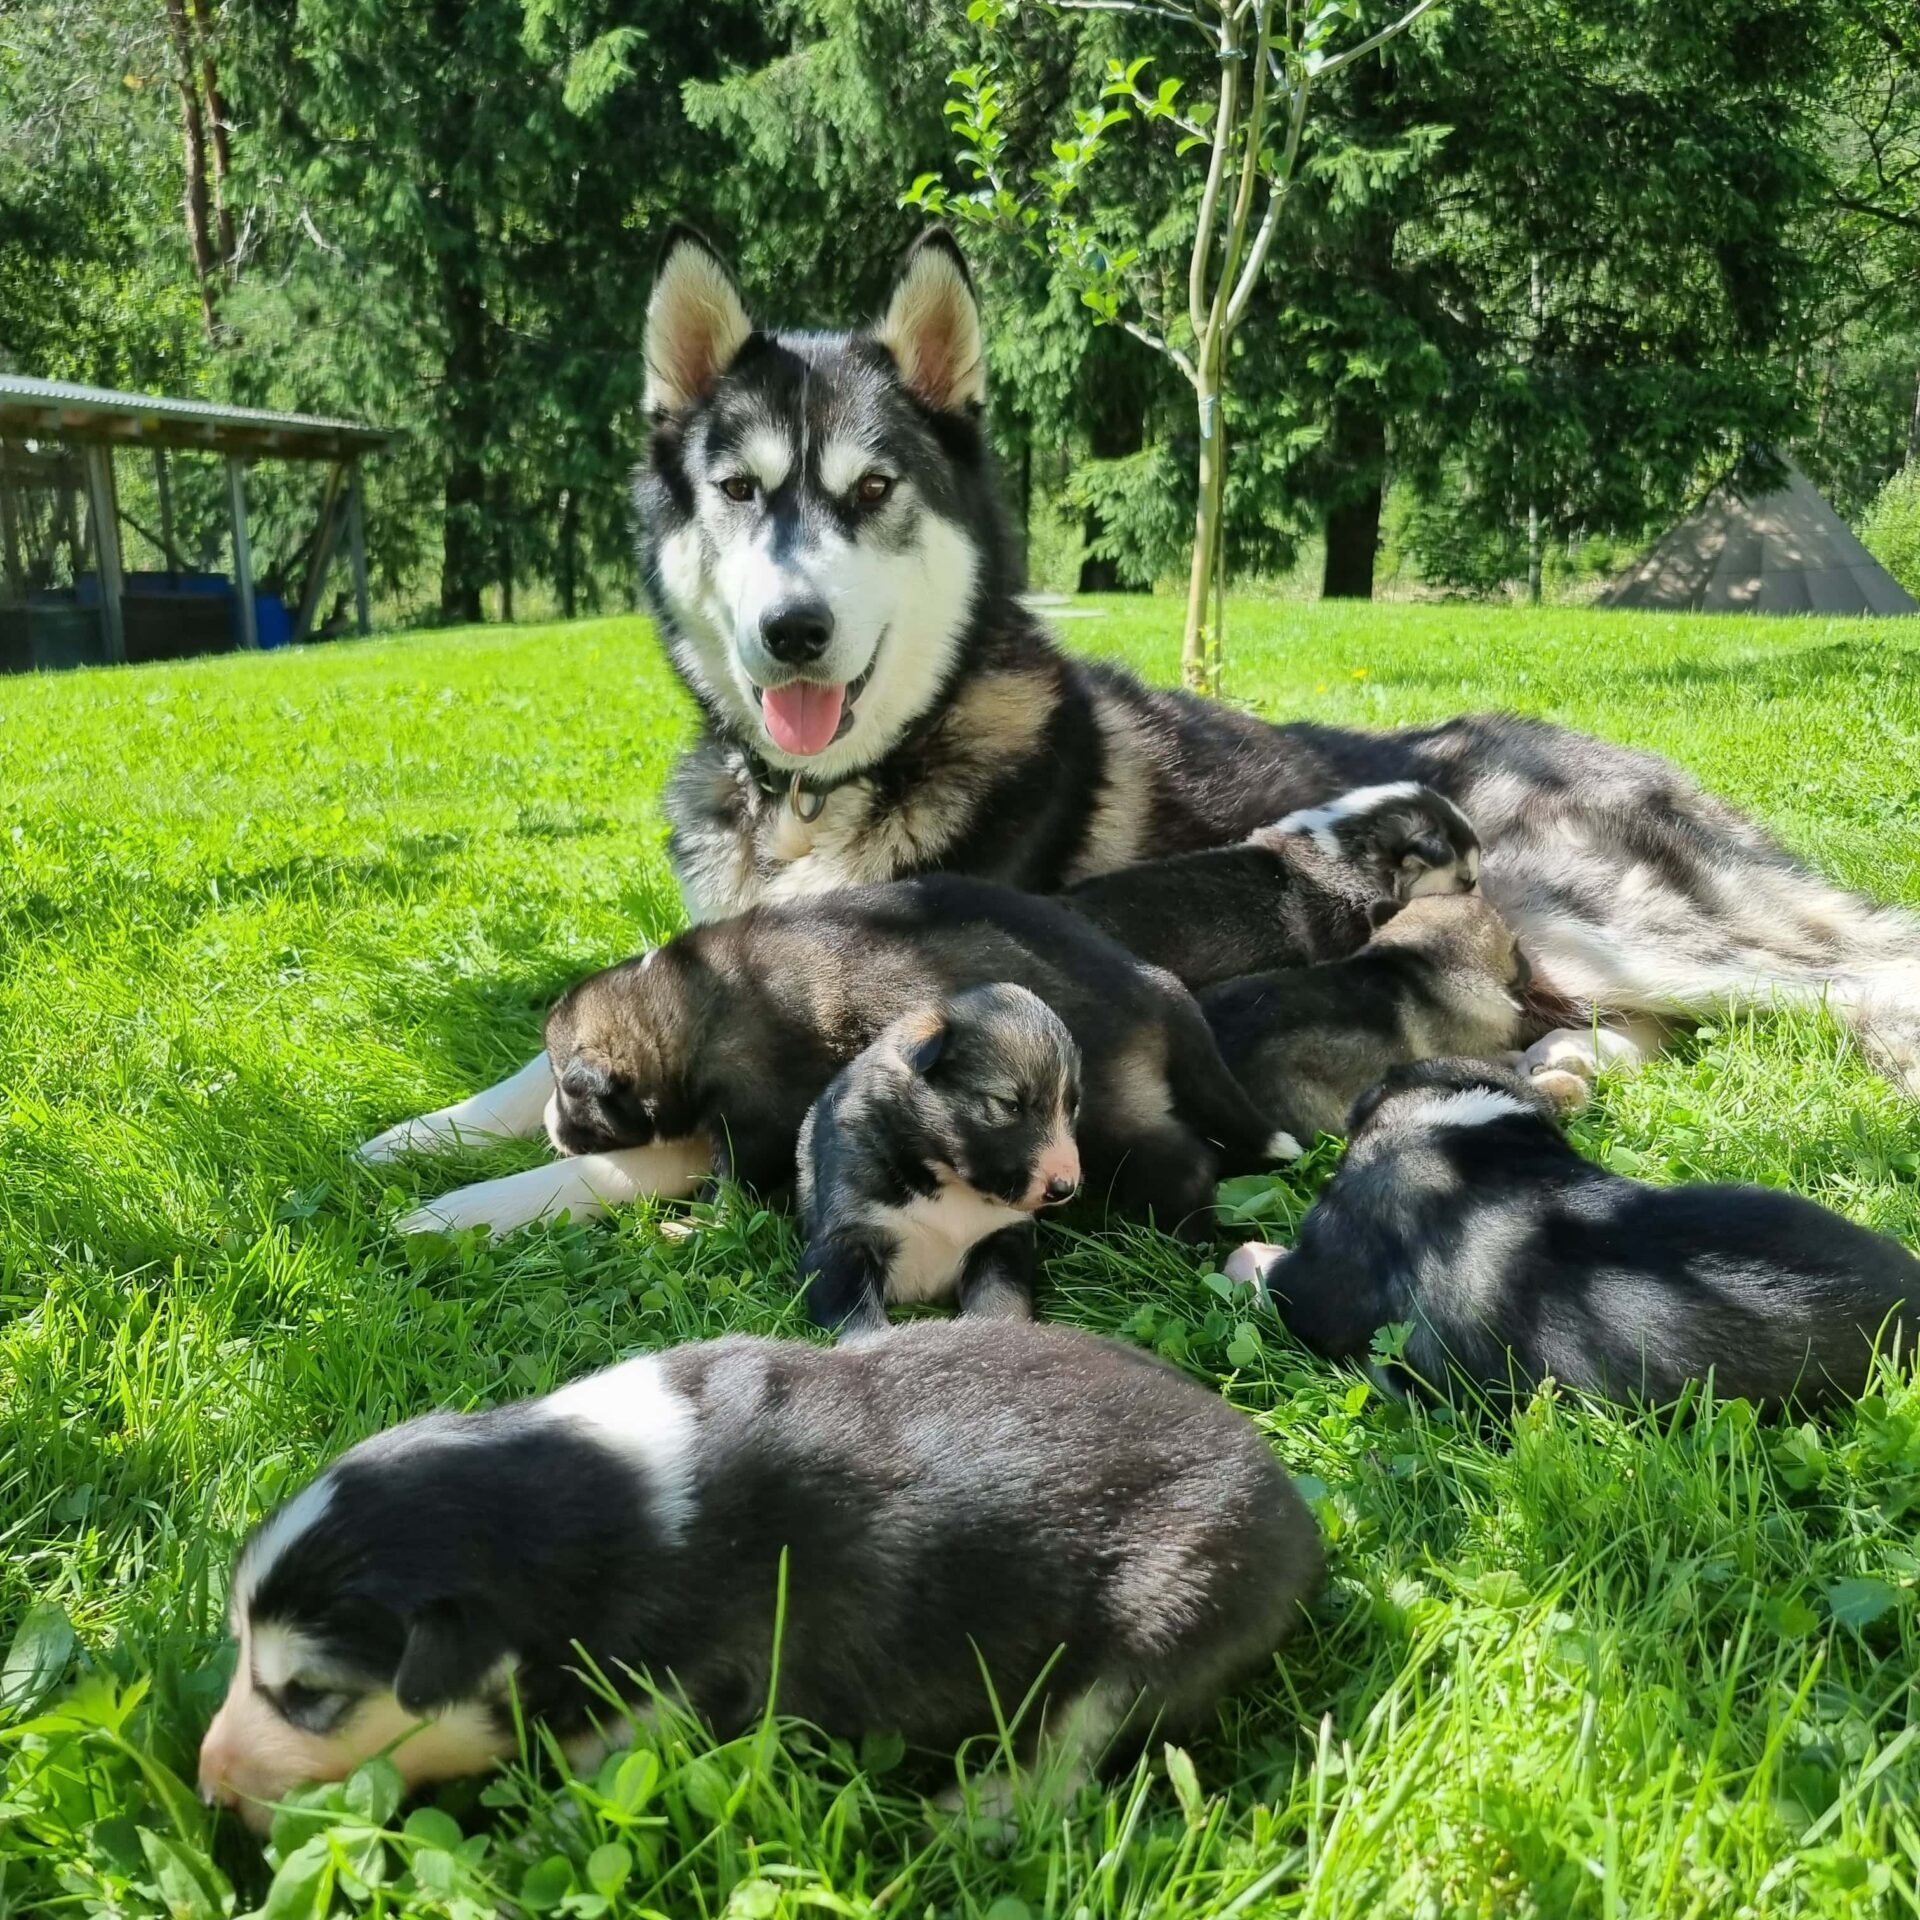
(696,323)
(452,1646)
(932,326)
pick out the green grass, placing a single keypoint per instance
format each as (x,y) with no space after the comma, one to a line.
(253,909)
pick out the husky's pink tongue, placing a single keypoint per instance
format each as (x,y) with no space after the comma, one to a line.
(802,717)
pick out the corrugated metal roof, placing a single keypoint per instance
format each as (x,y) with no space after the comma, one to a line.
(51,407)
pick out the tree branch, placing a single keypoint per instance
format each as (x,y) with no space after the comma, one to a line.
(1180,16)
(1198,302)
(1366,46)
(1276,196)
(1908,222)
(1161,346)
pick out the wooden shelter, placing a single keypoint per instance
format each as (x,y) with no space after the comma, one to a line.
(63,440)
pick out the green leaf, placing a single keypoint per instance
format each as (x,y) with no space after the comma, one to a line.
(191,1888)
(597,70)
(1390,1342)
(1858,1603)
(374,1790)
(435,1872)
(1008,1907)
(881,1752)
(305,1813)
(1186,1784)
(635,1783)
(1791,1617)
(430,1827)
(37,1660)
(1245,1347)
(608,1868)
(705,1784)
(547,1883)
(754,1900)
(303,1887)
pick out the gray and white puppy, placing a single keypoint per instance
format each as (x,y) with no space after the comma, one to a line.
(923,1164)
(1309,888)
(957,1504)
(1442,979)
(1461,1210)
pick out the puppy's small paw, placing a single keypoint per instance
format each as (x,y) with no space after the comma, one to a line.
(1283,1146)
(1249,1265)
(986,1810)
(1568,1091)
(1586,1051)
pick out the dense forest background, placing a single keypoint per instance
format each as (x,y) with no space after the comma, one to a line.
(1550,266)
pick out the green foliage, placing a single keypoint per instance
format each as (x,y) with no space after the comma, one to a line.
(252,909)
(95,282)
(1891,529)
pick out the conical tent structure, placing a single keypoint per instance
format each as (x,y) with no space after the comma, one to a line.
(1744,551)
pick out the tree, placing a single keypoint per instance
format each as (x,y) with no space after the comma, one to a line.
(1269,57)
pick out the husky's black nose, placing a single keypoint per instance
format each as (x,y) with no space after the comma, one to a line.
(797,631)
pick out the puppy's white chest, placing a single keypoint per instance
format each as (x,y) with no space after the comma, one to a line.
(933,1235)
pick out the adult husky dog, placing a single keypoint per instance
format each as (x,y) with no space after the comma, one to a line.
(829,563)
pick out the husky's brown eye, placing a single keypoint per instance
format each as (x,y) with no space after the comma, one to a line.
(873,488)
(739,486)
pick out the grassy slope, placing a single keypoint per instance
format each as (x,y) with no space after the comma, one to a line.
(252,909)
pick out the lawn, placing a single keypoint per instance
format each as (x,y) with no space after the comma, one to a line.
(253,909)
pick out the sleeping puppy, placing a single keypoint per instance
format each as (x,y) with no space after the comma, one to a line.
(1461,1210)
(1309,888)
(923,1164)
(1441,979)
(949,1499)
(734,1029)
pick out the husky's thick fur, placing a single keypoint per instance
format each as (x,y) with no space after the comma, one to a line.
(959,1507)
(829,564)
(1461,1211)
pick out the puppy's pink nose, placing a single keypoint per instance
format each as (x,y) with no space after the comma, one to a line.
(216,1786)
(1056,1175)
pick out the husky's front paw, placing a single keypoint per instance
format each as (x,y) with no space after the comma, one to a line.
(1416,840)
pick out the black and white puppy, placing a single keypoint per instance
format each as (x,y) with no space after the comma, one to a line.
(923,1164)
(950,1499)
(1461,1210)
(734,1029)
(1442,979)
(1307,889)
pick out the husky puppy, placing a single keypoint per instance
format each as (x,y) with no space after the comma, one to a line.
(1308,888)
(923,1164)
(950,1499)
(832,576)
(1443,978)
(1461,1209)
(734,1029)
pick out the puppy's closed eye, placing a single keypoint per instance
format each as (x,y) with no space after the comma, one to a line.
(317,1708)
